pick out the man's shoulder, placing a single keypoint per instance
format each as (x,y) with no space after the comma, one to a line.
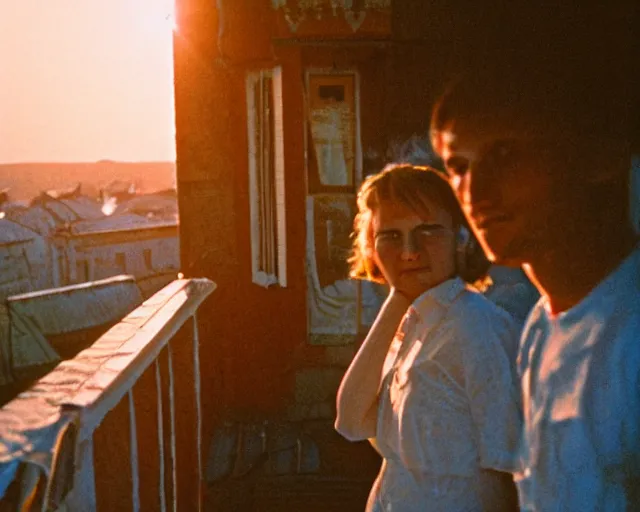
(613,321)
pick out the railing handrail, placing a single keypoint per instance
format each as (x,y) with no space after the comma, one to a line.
(88,386)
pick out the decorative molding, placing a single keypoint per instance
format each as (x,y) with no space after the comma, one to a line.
(297,11)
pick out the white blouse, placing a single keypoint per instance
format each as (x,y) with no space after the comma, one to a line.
(449,405)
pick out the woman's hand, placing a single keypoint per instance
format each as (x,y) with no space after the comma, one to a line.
(357,401)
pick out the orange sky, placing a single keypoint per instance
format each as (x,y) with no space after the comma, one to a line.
(83,80)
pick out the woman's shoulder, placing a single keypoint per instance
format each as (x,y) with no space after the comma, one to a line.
(475,318)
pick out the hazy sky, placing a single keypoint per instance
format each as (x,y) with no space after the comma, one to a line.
(83,80)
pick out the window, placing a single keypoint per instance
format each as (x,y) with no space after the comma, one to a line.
(266,177)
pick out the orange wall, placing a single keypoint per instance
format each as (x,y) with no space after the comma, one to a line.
(250,332)
(253,338)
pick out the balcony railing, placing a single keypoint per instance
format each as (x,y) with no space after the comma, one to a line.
(118,427)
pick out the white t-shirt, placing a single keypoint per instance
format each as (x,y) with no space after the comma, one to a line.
(580,373)
(448,404)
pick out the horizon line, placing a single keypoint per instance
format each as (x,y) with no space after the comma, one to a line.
(102,160)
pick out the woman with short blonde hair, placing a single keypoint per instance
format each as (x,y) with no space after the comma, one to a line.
(432,386)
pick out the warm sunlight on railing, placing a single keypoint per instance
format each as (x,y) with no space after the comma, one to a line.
(117,426)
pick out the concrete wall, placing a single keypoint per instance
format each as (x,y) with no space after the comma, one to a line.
(109,255)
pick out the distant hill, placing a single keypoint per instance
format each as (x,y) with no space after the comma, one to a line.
(27,180)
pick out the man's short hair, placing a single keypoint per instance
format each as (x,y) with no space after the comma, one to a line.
(565,70)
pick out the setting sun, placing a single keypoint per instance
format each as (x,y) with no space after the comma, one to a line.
(88,80)
(156,15)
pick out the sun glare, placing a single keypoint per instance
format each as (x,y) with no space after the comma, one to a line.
(171,21)
(157,15)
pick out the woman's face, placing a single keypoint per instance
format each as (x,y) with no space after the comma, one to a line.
(414,252)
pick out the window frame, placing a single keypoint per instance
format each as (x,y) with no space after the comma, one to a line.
(261,232)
